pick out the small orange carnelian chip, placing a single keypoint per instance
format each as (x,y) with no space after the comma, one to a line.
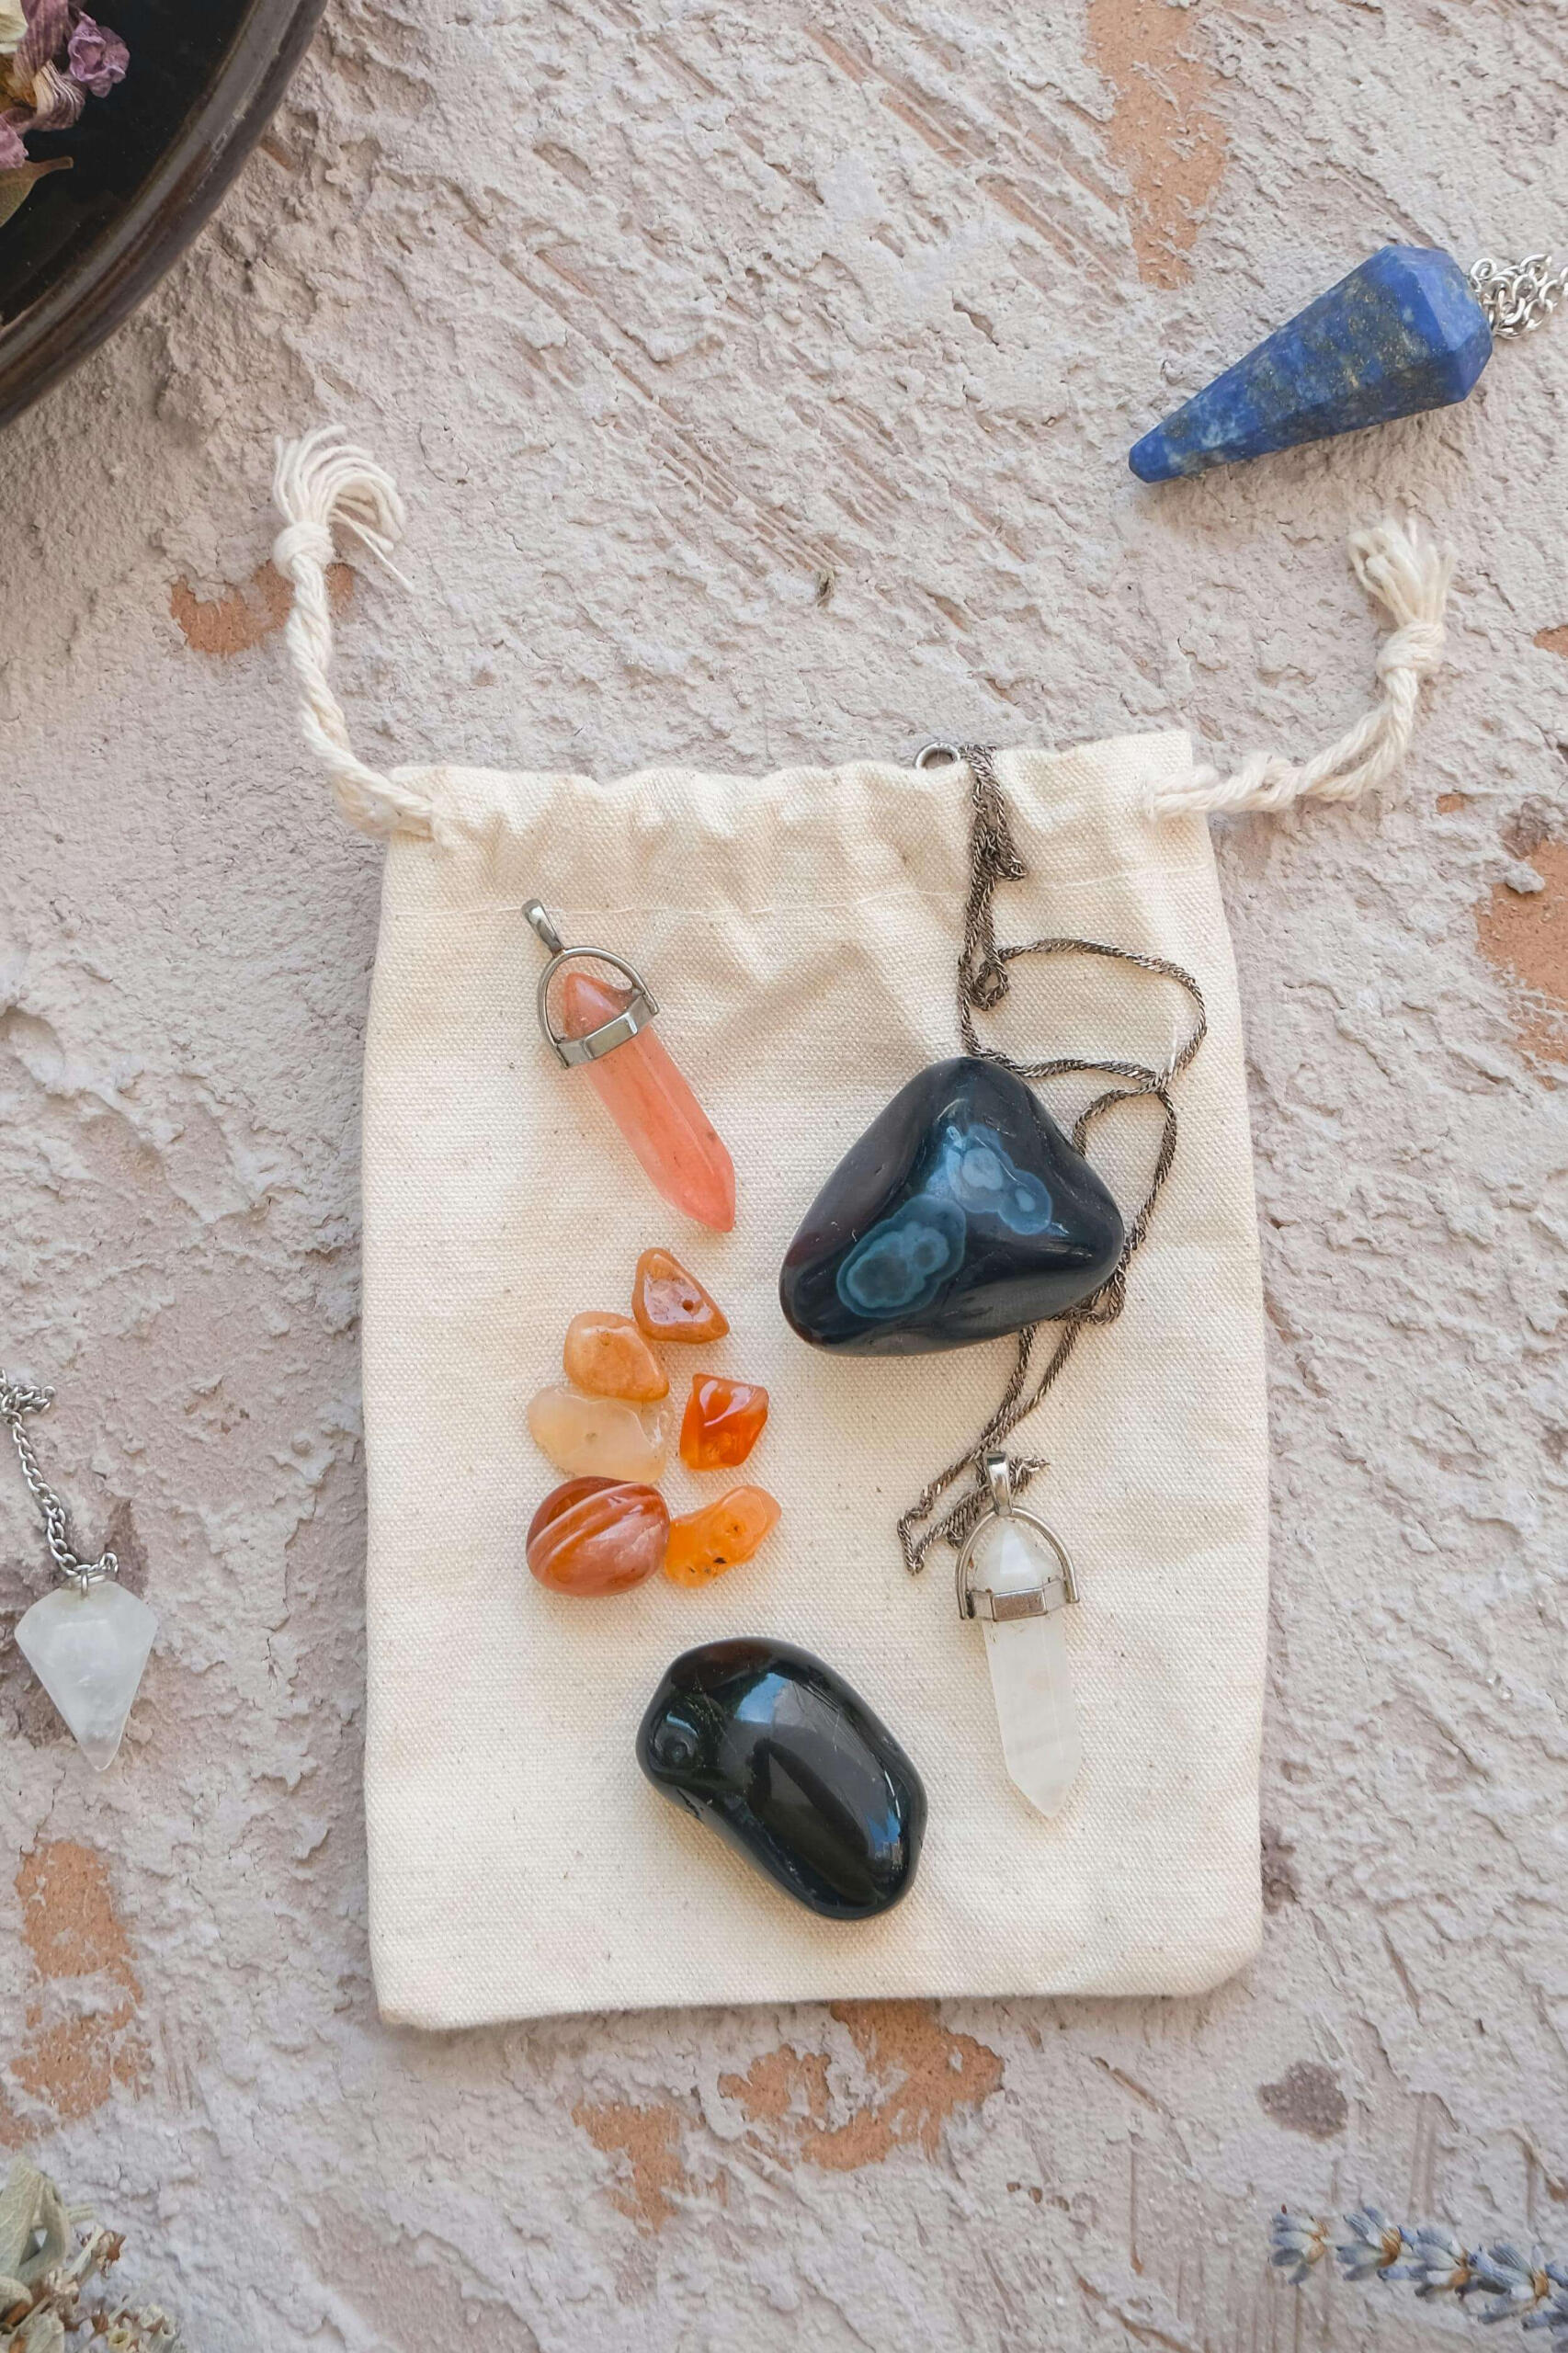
(670,1304)
(703,1544)
(723,1422)
(607,1356)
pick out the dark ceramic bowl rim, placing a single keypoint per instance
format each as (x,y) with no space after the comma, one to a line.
(124,262)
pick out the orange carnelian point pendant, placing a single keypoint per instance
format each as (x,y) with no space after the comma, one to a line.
(670,1304)
(723,1422)
(652,1106)
(607,1032)
(703,1544)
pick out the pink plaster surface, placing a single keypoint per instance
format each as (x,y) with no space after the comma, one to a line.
(762,380)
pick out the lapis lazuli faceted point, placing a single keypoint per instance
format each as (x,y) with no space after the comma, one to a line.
(1402,332)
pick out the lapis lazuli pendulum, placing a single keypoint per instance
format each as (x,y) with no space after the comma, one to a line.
(1401,334)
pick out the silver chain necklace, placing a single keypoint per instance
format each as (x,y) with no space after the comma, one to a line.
(1518,296)
(17,1401)
(88,1641)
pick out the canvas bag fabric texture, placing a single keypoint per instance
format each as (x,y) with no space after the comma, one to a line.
(802,933)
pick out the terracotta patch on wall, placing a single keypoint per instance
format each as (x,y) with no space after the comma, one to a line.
(241,618)
(1524,936)
(1553,640)
(648,2139)
(922,2075)
(73,1933)
(1164,130)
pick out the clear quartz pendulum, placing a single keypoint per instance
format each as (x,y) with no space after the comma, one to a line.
(86,1642)
(1015,1575)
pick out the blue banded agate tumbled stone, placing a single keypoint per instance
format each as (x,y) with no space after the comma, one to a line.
(775,1752)
(962,1214)
(1401,334)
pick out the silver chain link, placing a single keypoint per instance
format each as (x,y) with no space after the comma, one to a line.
(17,1401)
(1517,296)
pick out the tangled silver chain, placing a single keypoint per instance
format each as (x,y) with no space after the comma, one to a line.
(17,1401)
(1518,295)
(984,983)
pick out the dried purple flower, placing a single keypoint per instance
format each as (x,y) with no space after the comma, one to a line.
(1375,2245)
(96,57)
(1510,2284)
(1300,2241)
(1553,2315)
(58,99)
(1517,2283)
(49,29)
(1439,2263)
(53,57)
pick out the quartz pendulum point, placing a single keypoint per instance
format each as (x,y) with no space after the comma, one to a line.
(87,1647)
(606,1030)
(1016,1577)
(1401,334)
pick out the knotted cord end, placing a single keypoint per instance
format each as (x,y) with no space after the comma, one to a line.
(319,480)
(1409,575)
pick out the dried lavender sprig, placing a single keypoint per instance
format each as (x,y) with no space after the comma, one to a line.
(1509,2284)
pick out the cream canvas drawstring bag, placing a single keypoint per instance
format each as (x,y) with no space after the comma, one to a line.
(802,932)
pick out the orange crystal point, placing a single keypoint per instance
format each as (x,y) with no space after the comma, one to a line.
(592,1537)
(652,1106)
(607,1356)
(670,1304)
(723,1422)
(703,1544)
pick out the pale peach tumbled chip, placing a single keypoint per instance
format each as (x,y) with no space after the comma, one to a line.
(607,1356)
(670,1304)
(598,1437)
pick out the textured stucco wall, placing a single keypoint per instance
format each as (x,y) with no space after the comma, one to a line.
(761,379)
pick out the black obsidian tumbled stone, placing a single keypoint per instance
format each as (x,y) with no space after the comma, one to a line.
(776,1752)
(962,1214)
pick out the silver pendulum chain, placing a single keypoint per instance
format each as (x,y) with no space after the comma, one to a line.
(1518,296)
(17,1401)
(984,981)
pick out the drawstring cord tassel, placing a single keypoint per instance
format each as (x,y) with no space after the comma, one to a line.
(1405,573)
(320,480)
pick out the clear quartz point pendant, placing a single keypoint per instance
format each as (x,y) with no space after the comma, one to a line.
(87,1642)
(1015,1575)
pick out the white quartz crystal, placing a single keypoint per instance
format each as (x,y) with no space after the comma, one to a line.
(1030,1677)
(89,1651)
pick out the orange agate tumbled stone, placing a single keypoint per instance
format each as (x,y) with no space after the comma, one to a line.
(607,1356)
(723,1422)
(593,1537)
(670,1304)
(703,1544)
